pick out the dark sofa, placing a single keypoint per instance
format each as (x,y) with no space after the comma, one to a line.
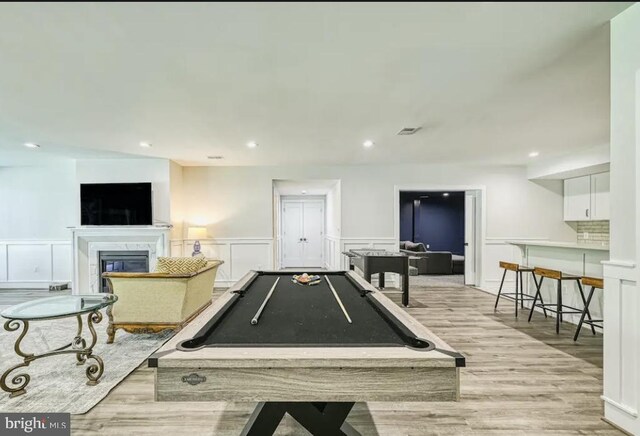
(428,262)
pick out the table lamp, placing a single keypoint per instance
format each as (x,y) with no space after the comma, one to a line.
(197,233)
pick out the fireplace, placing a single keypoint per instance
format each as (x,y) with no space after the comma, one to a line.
(121,261)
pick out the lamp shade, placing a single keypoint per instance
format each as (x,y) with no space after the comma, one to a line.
(197,233)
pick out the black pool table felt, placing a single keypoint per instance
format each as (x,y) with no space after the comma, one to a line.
(299,315)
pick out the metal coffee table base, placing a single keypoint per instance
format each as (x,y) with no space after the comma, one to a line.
(78,346)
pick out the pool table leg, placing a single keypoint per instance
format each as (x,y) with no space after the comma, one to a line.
(405,284)
(319,418)
(381,280)
(265,419)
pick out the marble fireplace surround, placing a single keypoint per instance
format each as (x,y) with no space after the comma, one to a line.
(88,242)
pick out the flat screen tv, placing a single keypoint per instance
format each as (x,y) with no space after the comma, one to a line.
(115,204)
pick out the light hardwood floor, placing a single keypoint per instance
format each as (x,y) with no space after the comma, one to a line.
(520,379)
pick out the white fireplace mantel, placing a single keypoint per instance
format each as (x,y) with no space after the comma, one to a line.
(88,242)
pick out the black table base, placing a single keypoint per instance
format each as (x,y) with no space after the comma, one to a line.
(318,418)
(380,263)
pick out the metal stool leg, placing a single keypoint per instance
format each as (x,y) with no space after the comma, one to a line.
(516,299)
(586,307)
(500,290)
(544,309)
(535,299)
(559,307)
(584,313)
(521,291)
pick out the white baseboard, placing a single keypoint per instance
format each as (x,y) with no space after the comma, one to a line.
(620,416)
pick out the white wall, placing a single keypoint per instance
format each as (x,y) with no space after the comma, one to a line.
(625,62)
(176,200)
(39,203)
(332,256)
(334,211)
(236,202)
(621,296)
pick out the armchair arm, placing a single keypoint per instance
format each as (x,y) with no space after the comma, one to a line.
(124,275)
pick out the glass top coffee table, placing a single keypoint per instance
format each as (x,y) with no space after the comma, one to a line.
(53,308)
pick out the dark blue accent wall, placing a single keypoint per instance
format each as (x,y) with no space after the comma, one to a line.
(433,219)
(406,216)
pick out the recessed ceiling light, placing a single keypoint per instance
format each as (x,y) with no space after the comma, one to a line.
(368,143)
(252,144)
(534,154)
(446,194)
(31,145)
(215,157)
(145,144)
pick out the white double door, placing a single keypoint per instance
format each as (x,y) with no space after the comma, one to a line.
(302,233)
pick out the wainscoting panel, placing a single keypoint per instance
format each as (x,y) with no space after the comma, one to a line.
(62,269)
(3,263)
(496,250)
(176,248)
(332,253)
(248,256)
(621,345)
(29,262)
(215,250)
(239,255)
(34,264)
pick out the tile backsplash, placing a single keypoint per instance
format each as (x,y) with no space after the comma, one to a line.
(593,232)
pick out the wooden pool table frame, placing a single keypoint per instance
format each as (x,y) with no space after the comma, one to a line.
(307,374)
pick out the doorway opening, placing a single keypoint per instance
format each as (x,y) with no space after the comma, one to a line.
(307,221)
(440,229)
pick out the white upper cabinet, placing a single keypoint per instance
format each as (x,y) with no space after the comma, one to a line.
(587,198)
(600,196)
(577,199)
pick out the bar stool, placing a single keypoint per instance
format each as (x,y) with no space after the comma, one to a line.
(558,307)
(519,294)
(595,283)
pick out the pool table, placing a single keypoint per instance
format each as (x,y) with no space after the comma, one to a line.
(306,356)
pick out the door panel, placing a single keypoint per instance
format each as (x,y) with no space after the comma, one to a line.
(313,234)
(292,234)
(303,233)
(470,238)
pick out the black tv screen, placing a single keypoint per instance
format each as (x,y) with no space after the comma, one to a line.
(115,204)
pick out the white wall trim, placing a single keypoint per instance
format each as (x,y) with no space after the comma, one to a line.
(34,264)
(481,226)
(628,410)
(621,350)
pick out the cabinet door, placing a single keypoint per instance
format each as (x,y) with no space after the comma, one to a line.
(600,196)
(577,199)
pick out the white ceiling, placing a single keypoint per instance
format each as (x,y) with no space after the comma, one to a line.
(487,82)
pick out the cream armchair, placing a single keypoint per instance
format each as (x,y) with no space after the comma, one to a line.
(153,302)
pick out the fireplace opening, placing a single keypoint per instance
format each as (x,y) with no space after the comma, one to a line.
(121,261)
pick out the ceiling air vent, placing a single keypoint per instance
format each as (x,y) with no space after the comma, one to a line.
(215,157)
(408,130)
